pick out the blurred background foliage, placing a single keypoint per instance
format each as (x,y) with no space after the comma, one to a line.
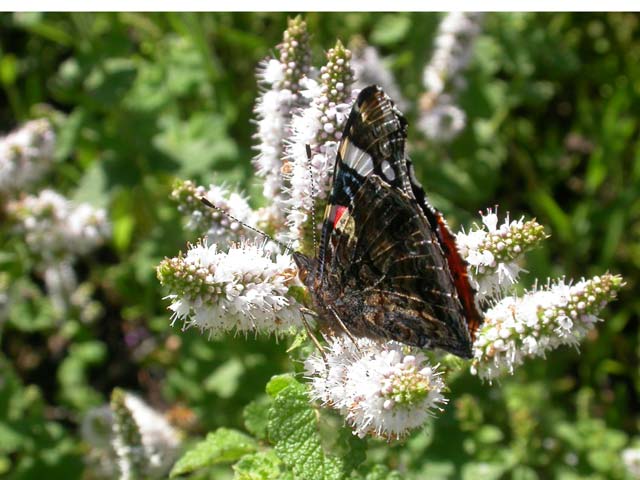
(140,99)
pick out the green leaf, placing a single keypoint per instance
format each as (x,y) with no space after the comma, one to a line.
(260,466)
(92,188)
(256,417)
(279,383)
(483,470)
(199,144)
(381,472)
(223,445)
(8,69)
(298,341)
(224,380)
(294,431)
(391,29)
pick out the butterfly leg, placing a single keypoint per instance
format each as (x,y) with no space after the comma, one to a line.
(307,327)
(344,327)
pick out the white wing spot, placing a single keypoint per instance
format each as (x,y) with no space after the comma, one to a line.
(358,159)
(387,171)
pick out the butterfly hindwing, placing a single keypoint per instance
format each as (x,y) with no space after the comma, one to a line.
(392,283)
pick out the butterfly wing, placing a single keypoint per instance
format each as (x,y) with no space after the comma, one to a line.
(382,266)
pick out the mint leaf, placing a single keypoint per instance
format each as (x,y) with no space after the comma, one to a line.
(256,417)
(278,383)
(294,431)
(260,466)
(223,445)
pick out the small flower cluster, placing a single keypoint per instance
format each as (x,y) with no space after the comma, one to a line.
(492,251)
(370,69)
(57,231)
(243,289)
(318,127)
(539,321)
(442,120)
(385,390)
(25,155)
(129,439)
(280,80)
(55,228)
(213,223)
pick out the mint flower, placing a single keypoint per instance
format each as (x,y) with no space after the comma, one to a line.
(318,126)
(541,320)
(631,461)
(26,154)
(492,251)
(384,390)
(129,439)
(243,289)
(369,69)
(57,231)
(441,119)
(55,228)
(280,80)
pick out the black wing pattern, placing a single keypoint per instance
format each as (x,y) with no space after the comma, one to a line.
(386,267)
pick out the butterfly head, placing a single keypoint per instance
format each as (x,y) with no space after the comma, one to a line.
(306,267)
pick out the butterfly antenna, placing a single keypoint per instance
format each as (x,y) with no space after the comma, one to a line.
(313,201)
(206,201)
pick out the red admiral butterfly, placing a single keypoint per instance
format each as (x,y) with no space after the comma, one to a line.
(387,266)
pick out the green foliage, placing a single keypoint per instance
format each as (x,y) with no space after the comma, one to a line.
(140,99)
(223,445)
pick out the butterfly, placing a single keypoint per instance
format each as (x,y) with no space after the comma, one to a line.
(387,266)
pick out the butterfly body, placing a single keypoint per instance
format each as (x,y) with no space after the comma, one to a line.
(387,265)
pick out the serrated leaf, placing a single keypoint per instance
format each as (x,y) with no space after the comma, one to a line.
(223,445)
(258,466)
(256,417)
(293,429)
(279,383)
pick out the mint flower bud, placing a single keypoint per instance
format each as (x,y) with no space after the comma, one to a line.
(243,289)
(127,441)
(383,390)
(319,126)
(26,154)
(295,54)
(541,320)
(280,81)
(213,223)
(492,251)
